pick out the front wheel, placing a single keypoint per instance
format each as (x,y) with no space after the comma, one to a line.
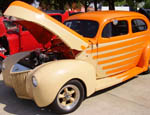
(68,98)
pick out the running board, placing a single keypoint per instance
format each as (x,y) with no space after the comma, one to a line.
(113,80)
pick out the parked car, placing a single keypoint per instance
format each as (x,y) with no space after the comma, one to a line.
(95,50)
(14,37)
(61,15)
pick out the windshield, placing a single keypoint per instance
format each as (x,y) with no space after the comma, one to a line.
(10,25)
(86,28)
(57,17)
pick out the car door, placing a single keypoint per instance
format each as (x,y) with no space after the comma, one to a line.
(118,49)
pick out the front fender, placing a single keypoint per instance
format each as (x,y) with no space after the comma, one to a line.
(8,63)
(54,75)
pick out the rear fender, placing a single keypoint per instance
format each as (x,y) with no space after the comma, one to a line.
(145,57)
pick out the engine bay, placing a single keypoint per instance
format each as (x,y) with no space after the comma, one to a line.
(57,51)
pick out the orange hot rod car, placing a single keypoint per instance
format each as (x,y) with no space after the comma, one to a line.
(92,51)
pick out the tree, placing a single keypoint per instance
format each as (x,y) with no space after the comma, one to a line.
(111,4)
(95,5)
(147,4)
(133,4)
(4,4)
(85,5)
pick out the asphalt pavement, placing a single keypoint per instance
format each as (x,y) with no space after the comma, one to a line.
(129,98)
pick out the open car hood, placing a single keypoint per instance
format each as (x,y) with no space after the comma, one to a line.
(43,27)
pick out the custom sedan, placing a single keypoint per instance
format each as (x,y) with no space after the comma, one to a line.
(92,51)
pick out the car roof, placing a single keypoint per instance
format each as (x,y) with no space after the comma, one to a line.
(104,15)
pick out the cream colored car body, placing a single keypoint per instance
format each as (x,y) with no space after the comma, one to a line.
(50,76)
(53,75)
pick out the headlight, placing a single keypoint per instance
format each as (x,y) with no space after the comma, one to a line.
(2,50)
(34,81)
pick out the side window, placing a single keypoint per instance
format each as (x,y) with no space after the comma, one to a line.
(138,25)
(115,29)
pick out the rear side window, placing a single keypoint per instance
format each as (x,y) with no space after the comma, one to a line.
(138,25)
(116,28)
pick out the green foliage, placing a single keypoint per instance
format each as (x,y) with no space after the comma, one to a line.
(61,4)
(133,3)
(120,3)
(147,4)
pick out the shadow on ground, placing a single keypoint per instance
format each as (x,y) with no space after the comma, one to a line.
(111,88)
(14,105)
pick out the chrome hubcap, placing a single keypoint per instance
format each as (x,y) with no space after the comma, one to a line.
(68,97)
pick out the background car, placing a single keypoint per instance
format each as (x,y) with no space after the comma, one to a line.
(61,15)
(15,38)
